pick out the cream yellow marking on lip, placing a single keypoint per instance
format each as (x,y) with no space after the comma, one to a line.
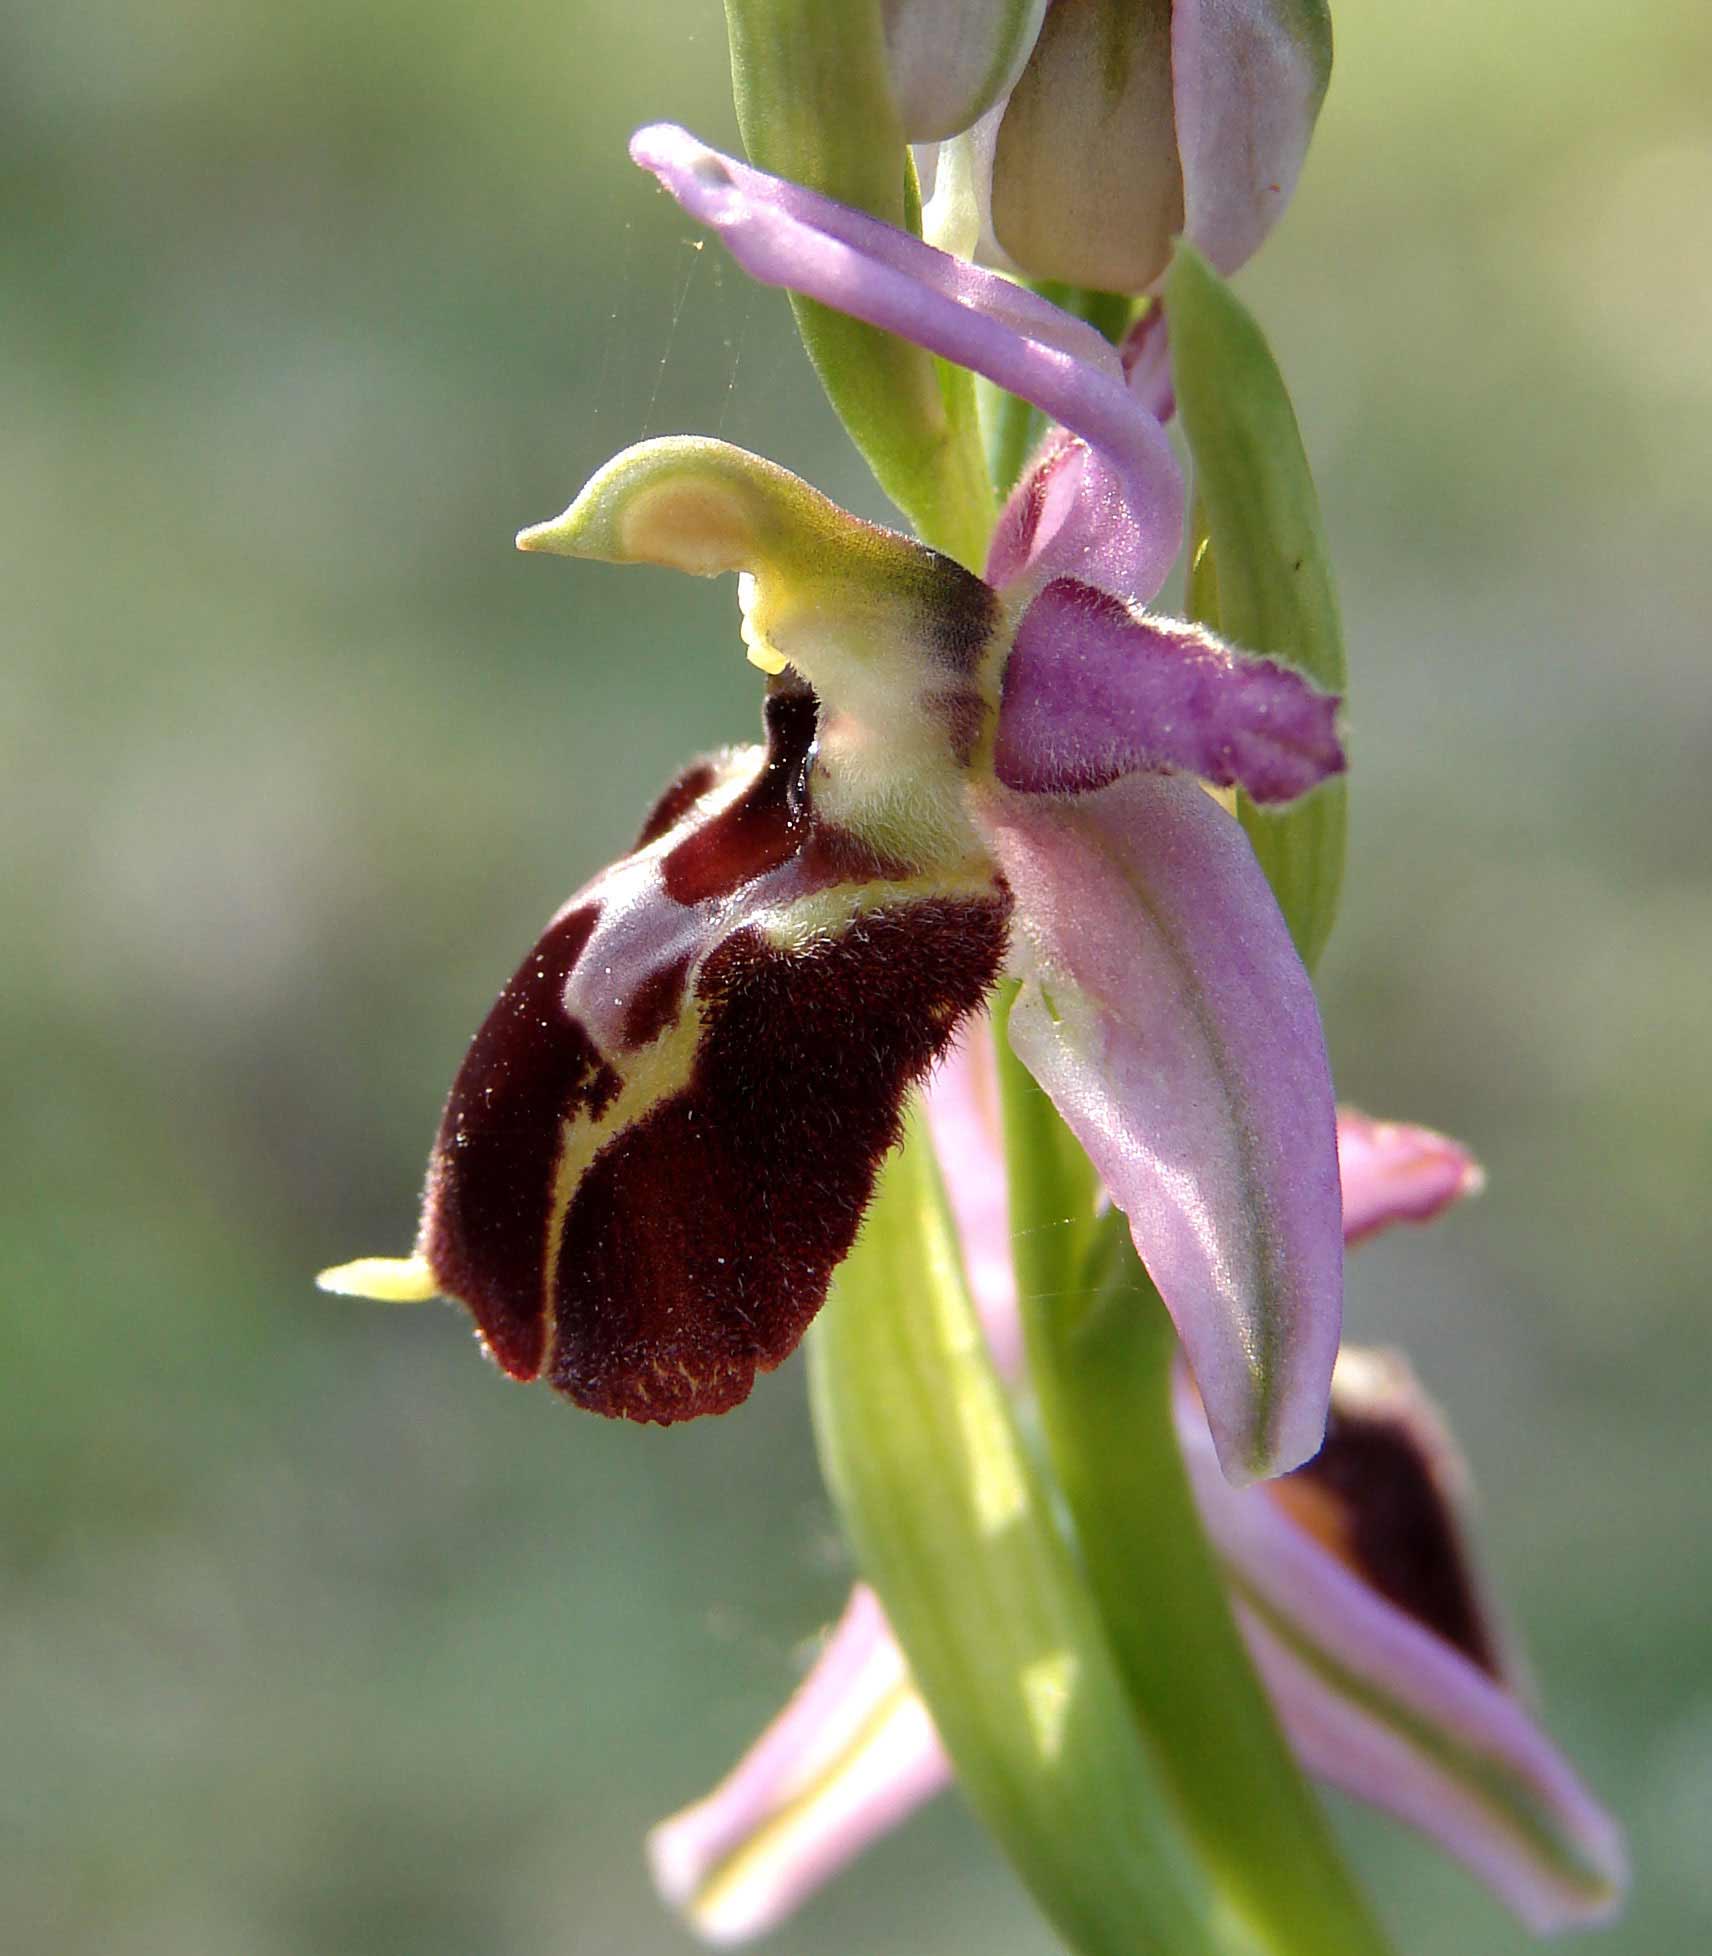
(802,920)
(385,1279)
(656,1073)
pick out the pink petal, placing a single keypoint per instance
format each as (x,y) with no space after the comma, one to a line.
(1166,1013)
(1248,77)
(852,1755)
(784,235)
(1094,690)
(1393,1173)
(1377,1704)
(962,1104)
(1146,356)
(1070,516)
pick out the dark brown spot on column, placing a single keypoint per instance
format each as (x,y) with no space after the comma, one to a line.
(959,612)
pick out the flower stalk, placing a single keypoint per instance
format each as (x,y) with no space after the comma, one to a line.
(951,1521)
(1100,1355)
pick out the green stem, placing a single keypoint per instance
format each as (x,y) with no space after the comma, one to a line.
(814,103)
(953,1525)
(1100,1350)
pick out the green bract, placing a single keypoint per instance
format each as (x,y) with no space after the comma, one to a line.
(1268,584)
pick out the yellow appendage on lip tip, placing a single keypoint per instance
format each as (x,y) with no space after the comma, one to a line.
(385,1279)
(759,652)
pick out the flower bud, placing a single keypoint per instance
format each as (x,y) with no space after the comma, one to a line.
(951,60)
(1133,121)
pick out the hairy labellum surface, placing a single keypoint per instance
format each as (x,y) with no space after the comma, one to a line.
(662,1139)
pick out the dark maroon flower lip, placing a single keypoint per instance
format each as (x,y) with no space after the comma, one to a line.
(662,1139)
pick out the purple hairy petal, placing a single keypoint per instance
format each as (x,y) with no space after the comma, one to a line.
(1167,1015)
(1396,1173)
(852,1755)
(1369,1629)
(1248,77)
(1095,690)
(782,234)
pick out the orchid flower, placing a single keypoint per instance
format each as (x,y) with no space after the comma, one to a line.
(1129,122)
(1352,1584)
(663,1138)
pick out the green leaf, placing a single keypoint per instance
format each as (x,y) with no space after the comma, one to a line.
(814,102)
(953,1526)
(1260,575)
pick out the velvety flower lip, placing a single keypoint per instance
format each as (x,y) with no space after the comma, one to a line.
(1355,1595)
(782,234)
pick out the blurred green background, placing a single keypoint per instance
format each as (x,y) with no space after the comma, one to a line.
(316,1636)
